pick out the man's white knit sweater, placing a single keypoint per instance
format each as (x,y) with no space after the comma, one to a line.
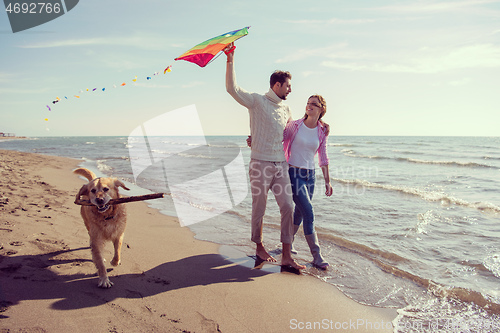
(268,118)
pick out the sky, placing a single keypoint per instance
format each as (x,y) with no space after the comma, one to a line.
(386,68)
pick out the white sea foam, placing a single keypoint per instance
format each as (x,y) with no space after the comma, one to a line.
(453,163)
(340,145)
(442,197)
(103,167)
(352,153)
(492,263)
(196,156)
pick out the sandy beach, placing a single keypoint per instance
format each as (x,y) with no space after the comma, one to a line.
(167,282)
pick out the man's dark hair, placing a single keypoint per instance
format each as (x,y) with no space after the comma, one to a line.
(279,76)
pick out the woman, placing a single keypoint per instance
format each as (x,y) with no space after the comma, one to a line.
(302,139)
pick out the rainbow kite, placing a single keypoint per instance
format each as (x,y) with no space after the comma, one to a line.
(203,53)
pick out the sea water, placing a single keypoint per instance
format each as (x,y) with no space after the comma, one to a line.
(413,222)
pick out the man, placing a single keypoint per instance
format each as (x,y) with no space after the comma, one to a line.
(268,167)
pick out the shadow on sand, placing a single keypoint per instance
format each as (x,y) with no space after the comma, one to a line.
(34,278)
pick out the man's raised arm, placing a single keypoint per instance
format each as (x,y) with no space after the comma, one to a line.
(241,96)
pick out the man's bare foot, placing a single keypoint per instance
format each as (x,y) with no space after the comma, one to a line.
(286,258)
(290,262)
(263,254)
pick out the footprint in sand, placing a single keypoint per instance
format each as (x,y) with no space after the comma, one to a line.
(158,280)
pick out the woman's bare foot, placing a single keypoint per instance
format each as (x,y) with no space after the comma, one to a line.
(263,254)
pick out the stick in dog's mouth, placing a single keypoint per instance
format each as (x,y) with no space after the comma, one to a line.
(102,209)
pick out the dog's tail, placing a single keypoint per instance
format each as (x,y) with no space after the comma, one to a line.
(85,173)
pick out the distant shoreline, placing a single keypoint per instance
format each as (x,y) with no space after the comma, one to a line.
(13,137)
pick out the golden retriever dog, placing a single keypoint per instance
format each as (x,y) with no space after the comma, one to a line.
(104,222)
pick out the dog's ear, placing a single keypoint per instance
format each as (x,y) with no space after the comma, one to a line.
(83,191)
(118,183)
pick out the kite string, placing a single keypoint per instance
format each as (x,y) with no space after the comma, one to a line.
(224,50)
(57,100)
(216,56)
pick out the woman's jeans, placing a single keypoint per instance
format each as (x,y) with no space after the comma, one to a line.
(302,181)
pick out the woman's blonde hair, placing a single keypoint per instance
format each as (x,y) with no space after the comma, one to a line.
(322,103)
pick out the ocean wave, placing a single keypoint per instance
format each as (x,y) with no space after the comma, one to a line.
(361,249)
(492,264)
(341,145)
(444,198)
(242,217)
(228,145)
(352,153)
(424,220)
(103,167)
(199,144)
(196,156)
(107,158)
(487,157)
(183,143)
(157,151)
(407,152)
(453,163)
(388,262)
(442,291)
